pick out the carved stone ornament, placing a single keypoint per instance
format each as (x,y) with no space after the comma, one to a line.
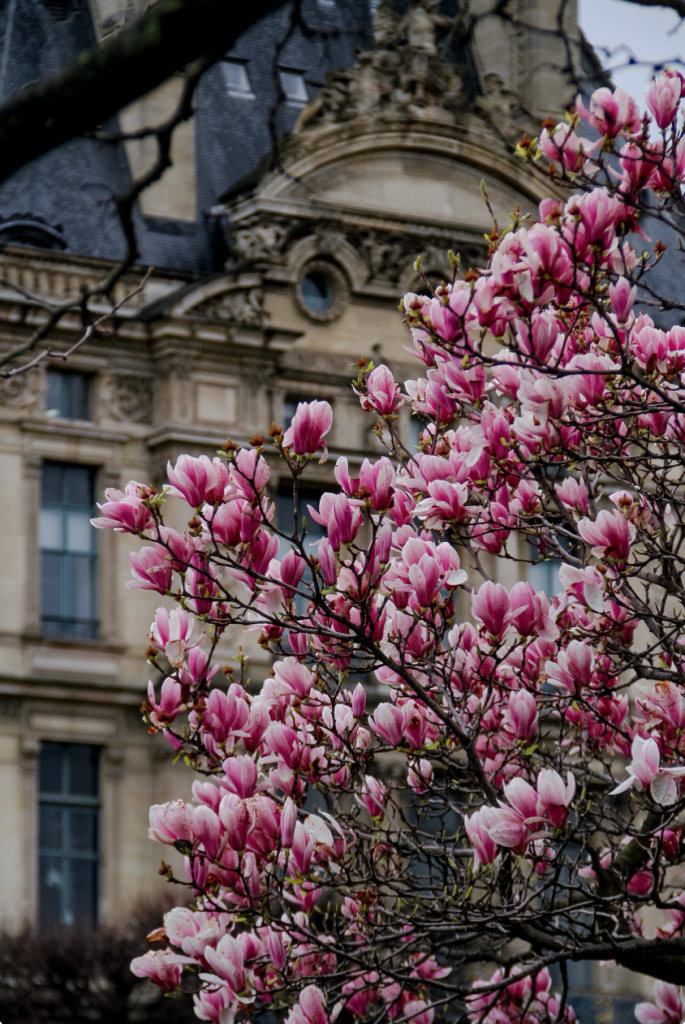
(259,241)
(21,390)
(406,72)
(130,398)
(239,307)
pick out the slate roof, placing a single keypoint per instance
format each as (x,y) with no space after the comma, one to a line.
(70,188)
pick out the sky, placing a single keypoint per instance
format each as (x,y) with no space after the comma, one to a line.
(650,33)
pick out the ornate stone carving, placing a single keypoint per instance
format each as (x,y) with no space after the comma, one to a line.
(407,73)
(259,241)
(21,390)
(130,398)
(239,307)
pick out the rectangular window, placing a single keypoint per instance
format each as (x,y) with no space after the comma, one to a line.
(68,834)
(68,551)
(68,395)
(294,87)
(237,79)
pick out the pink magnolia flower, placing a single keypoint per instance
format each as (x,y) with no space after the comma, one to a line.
(237,817)
(522,797)
(562,144)
(125,512)
(573,494)
(170,701)
(622,299)
(207,829)
(611,113)
(388,722)
(668,1006)
(250,473)
(158,966)
(418,1011)
(663,97)
(171,822)
(663,701)
(341,516)
(530,613)
(310,424)
(228,962)
(586,585)
(375,796)
(310,1007)
(445,503)
(358,701)
(287,822)
(506,827)
(523,711)
(484,848)
(383,394)
(198,480)
(151,570)
(378,480)
(610,535)
(555,795)
(645,771)
(240,776)
(171,632)
(420,776)
(491,606)
(292,678)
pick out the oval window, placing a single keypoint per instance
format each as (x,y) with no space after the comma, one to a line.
(317,292)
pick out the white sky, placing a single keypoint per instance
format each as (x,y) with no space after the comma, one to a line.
(651,33)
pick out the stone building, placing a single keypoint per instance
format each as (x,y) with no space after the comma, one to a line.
(270,280)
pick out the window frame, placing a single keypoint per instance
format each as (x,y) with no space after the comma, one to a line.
(289,97)
(233,91)
(63,412)
(64,625)
(67,803)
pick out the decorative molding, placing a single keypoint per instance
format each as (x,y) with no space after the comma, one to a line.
(20,391)
(130,398)
(261,241)
(243,306)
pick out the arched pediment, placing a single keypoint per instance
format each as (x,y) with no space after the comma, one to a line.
(406,176)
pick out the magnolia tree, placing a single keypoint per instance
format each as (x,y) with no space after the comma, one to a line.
(514,800)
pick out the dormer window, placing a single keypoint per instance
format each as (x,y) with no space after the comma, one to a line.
(24,229)
(237,79)
(294,87)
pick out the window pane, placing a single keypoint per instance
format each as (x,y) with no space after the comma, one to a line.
(50,529)
(50,585)
(53,391)
(50,768)
(50,885)
(83,833)
(52,482)
(80,591)
(78,388)
(236,78)
(294,86)
(83,764)
(78,485)
(50,828)
(80,534)
(82,893)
